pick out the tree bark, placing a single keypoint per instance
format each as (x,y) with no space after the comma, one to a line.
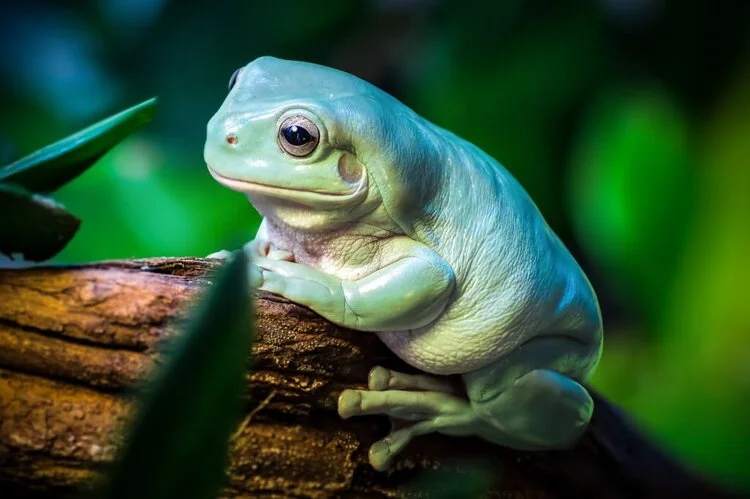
(75,342)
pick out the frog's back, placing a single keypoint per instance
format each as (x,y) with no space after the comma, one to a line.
(515,278)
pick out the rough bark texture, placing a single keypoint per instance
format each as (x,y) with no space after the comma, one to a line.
(75,341)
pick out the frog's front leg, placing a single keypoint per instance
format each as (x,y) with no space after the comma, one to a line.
(519,401)
(408,293)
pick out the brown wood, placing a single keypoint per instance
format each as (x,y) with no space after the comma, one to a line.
(75,341)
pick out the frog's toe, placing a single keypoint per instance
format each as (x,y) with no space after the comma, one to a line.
(255,276)
(265,249)
(400,404)
(380,455)
(385,450)
(257,247)
(350,403)
(278,254)
(381,379)
(378,378)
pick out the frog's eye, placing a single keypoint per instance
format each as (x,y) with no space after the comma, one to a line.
(298,136)
(233,78)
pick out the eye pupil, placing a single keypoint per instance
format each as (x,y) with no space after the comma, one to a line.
(296,135)
(233,78)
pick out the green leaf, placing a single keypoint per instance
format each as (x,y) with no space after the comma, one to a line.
(32,225)
(178,444)
(51,167)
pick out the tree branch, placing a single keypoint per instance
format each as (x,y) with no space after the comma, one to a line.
(75,341)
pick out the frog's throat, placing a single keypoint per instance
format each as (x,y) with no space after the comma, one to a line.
(311,198)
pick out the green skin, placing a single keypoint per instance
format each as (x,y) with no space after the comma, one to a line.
(381,221)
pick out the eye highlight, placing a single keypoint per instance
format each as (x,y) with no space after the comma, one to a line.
(298,136)
(233,78)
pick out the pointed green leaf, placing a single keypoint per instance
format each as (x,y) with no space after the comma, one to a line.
(33,226)
(53,166)
(178,443)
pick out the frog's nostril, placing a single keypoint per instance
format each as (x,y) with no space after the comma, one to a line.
(231,139)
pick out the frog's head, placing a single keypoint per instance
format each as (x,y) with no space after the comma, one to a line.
(315,147)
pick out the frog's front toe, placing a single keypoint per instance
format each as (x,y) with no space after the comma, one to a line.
(263,248)
(255,276)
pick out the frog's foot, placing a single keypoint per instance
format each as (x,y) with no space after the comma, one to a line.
(541,409)
(429,401)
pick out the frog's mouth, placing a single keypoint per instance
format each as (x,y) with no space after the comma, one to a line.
(315,198)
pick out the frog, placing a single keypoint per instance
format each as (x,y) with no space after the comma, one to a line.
(385,223)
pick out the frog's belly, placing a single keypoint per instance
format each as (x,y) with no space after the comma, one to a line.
(445,349)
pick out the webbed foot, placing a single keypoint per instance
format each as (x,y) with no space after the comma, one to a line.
(430,402)
(542,409)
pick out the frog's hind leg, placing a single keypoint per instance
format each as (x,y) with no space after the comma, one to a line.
(518,401)
(531,399)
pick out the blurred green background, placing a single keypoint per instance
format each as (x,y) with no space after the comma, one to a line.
(628,121)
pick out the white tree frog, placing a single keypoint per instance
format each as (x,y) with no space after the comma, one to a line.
(383,222)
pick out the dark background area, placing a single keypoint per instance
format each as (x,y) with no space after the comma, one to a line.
(628,121)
